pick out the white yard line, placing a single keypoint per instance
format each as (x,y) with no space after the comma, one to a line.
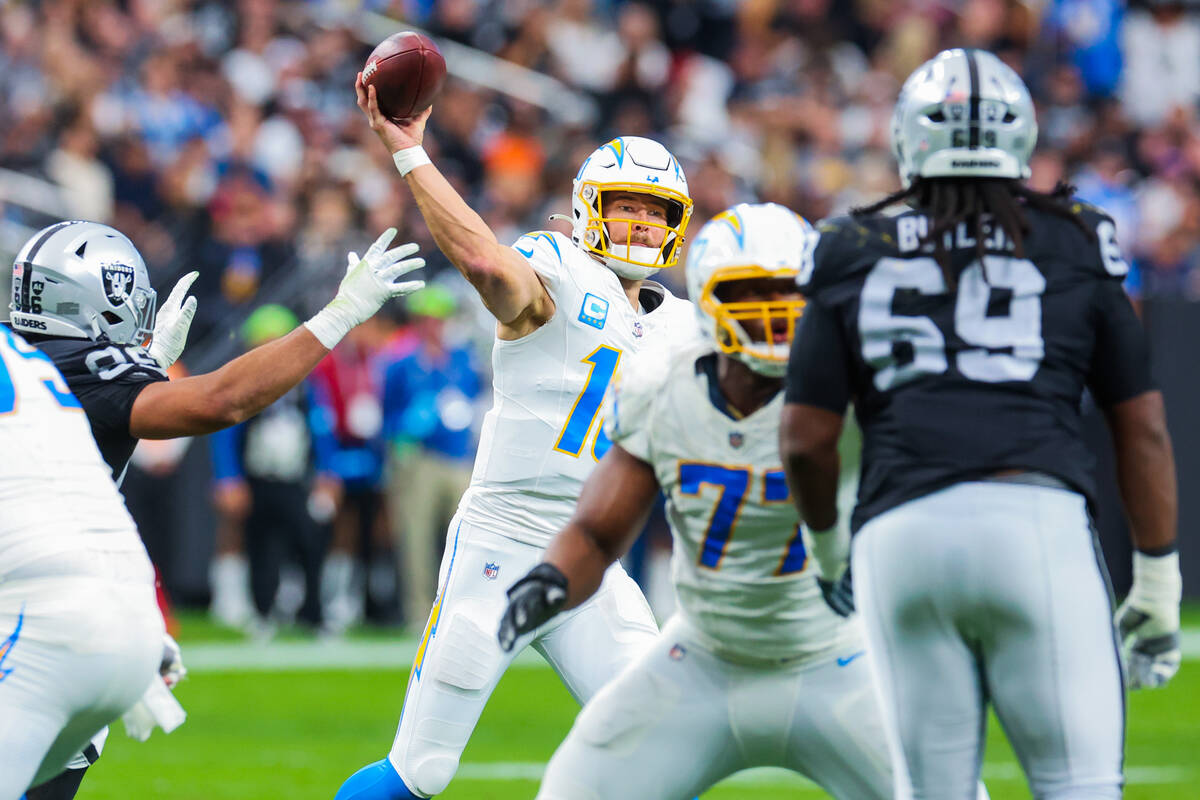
(772,776)
(338,654)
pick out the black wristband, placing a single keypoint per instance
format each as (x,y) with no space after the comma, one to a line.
(1165,550)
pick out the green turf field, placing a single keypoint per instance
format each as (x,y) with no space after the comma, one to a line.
(259,733)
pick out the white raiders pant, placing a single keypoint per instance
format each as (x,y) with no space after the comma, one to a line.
(991,591)
(680,719)
(85,649)
(459,661)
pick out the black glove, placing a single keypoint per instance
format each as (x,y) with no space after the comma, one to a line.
(531,602)
(839,594)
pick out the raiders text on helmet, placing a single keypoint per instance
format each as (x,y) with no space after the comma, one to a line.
(638,165)
(82,280)
(747,241)
(963,113)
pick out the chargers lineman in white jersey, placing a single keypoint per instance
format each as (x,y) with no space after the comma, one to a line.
(81,636)
(569,311)
(754,669)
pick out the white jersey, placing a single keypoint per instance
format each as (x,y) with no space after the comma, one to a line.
(739,564)
(544,432)
(59,508)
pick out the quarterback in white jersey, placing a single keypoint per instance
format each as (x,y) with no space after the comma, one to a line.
(754,669)
(570,311)
(81,636)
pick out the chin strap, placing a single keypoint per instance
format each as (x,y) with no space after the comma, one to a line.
(563,217)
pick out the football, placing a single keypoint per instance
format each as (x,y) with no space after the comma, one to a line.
(407,71)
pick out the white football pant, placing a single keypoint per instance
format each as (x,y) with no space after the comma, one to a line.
(86,651)
(680,719)
(993,592)
(459,661)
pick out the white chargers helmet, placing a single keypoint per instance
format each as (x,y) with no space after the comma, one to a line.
(82,280)
(747,241)
(630,164)
(963,113)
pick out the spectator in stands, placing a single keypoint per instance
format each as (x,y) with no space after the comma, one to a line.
(359,577)
(430,406)
(274,479)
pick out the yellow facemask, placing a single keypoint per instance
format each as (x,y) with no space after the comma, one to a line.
(596,238)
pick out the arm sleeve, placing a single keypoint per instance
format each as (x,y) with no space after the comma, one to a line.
(1120,367)
(818,372)
(225,447)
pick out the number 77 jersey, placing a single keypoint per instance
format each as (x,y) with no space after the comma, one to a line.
(544,433)
(739,565)
(957,380)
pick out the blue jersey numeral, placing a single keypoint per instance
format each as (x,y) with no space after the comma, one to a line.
(734,483)
(55,384)
(603,361)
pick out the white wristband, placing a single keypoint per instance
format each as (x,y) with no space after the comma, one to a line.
(329,325)
(409,159)
(1157,579)
(829,548)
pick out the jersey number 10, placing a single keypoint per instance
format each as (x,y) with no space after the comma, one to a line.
(580,421)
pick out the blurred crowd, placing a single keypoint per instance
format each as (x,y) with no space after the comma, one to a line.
(223,136)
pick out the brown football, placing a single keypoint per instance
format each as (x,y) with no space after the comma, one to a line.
(407,71)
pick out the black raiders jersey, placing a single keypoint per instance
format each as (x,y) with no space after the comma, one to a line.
(956,384)
(106,378)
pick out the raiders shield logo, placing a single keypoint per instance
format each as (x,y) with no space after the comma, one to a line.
(118,281)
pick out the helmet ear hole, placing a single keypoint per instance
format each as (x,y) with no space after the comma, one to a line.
(111,318)
(936,116)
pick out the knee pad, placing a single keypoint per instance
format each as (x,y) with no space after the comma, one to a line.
(469,655)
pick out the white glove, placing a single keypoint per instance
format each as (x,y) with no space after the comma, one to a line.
(171,668)
(369,283)
(172,322)
(157,706)
(1148,621)
(830,550)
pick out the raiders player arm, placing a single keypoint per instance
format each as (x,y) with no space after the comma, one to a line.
(507,284)
(1148,619)
(613,506)
(817,394)
(1121,382)
(224,397)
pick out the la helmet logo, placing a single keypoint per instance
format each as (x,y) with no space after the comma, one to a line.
(118,281)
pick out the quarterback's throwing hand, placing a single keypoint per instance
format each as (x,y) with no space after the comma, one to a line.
(1148,621)
(531,602)
(172,322)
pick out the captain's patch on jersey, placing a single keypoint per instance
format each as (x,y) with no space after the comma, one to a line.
(594,311)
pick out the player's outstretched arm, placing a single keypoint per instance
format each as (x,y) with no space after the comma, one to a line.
(506,282)
(808,438)
(1148,620)
(613,506)
(248,384)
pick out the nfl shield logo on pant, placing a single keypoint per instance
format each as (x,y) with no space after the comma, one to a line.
(490,570)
